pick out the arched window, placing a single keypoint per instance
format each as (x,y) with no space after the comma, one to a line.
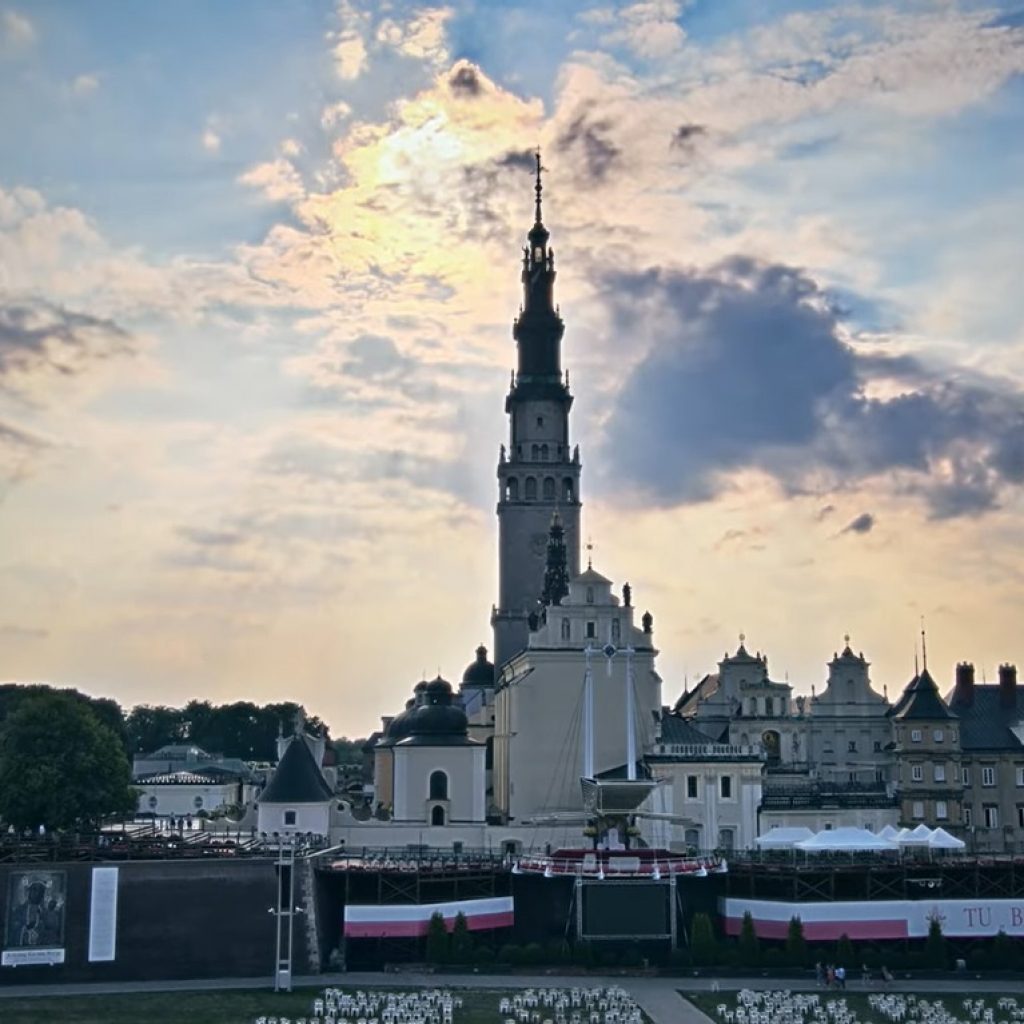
(438,786)
(512,488)
(549,488)
(567,488)
(437,816)
(851,691)
(535,452)
(531,488)
(590,595)
(565,629)
(544,453)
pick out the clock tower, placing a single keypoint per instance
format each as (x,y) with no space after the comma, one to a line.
(539,474)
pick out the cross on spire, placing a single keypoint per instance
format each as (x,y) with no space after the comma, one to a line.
(538,188)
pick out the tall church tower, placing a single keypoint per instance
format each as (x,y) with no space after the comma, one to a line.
(540,473)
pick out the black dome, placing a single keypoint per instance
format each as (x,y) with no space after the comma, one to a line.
(480,672)
(437,715)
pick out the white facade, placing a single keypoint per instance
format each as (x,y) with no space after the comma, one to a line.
(291,818)
(165,799)
(539,718)
(444,781)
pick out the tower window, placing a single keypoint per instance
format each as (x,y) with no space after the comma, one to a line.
(512,489)
(549,488)
(567,489)
(591,630)
(540,421)
(438,785)
(544,453)
(535,452)
(531,488)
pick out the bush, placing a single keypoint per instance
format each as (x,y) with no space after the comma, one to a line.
(796,944)
(461,941)
(438,943)
(533,954)
(749,949)
(703,944)
(844,952)
(774,957)
(483,955)
(935,954)
(509,954)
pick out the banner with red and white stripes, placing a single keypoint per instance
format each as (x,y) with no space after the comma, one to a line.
(407,920)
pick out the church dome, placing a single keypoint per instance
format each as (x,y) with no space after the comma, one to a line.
(479,673)
(437,719)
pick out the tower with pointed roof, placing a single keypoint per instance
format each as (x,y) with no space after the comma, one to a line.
(539,473)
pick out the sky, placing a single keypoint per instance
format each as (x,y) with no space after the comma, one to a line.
(258,269)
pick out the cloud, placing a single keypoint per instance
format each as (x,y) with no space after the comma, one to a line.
(749,365)
(421,36)
(41,342)
(16,30)
(334,113)
(588,139)
(205,537)
(649,29)
(211,141)
(12,632)
(348,41)
(864,523)
(85,85)
(278,180)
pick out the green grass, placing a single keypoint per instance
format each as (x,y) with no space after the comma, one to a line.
(708,1002)
(231,1007)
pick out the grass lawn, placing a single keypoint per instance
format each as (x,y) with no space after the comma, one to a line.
(857,1002)
(230,1007)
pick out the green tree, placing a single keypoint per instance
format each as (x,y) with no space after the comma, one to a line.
(703,944)
(438,945)
(462,941)
(796,944)
(935,945)
(150,728)
(60,766)
(749,947)
(844,951)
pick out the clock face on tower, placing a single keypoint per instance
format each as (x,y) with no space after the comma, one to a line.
(538,543)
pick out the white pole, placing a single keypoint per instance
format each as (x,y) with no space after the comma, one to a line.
(588,719)
(630,716)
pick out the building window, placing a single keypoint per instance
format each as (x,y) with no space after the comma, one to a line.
(289,817)
(616,631)
(535,452)
(540,421)
(988,775)
(851,777)
(692,838)
(851,747)
(916,773)
(437,816)
(917,809)
(915,734)
(567,489)
(726,784)
(878,746)
(851,691)
(939,773)
(941,810)
(965,776)
(591,630)
(991,812)
(565,629)
(590,595)
(438,785)
(543,453)
(938,735)
(828,747)
(967,816)
(152,801)
(879,775)
(549,488)
(691,787)
(1020,775)
(198,801)
(531,488)
(726,838)
(1020,815)
(512,489)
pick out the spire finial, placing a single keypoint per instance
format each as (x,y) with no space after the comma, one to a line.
(538,188)
(590,553)
(924,646)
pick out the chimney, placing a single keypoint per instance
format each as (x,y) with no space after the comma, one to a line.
(1008,686)
(963,692)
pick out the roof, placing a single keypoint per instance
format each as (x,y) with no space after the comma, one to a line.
(297,779)
(480,672)
(676,729)
(591,575)
(187,778)
(921,701)
(706,688)
(985,724)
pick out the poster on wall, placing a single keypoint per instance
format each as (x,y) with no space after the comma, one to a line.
(103,915)
(34,929)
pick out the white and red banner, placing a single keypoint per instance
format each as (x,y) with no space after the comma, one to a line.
(408,920)
(881,919)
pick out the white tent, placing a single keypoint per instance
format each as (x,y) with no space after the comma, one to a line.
(888,832)
(779,838)
(942,840)
(846,839)
(920,836)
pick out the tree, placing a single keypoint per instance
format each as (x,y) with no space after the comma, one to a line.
(60,766)
(703,945)
(796,945)
(749,947)
(462,941)
(150,728)
(935,944)
(437,940)
(844,951)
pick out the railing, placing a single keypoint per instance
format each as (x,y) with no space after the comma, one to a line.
(709,750)
(600,866)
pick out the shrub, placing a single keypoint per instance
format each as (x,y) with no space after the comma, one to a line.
(509,954)
(796,944)
(844,952)
(461,941)
(935,945)
(703,944)
(749,950)
(438,944)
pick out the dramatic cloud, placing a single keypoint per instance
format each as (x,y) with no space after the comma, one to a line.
(748,366)
(864,523)
(16,30)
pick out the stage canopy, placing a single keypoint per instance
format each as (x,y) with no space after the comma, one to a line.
(780,838)
(846,839)
(942,840)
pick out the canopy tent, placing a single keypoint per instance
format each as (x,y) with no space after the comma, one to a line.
(920,836)
(888,832)
(780,838)
(942,840)
(846,839)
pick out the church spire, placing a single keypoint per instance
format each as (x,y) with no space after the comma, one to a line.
(538,188)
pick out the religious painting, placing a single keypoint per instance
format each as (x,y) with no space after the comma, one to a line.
(35,910)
